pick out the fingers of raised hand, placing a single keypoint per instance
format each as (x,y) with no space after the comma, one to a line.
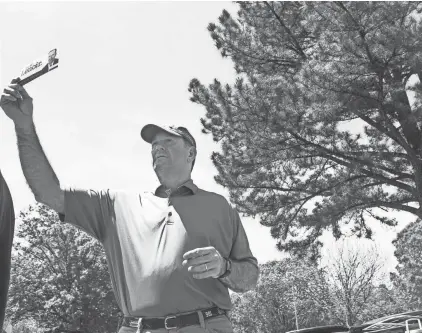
(12,93)
(21,90)
(6,98)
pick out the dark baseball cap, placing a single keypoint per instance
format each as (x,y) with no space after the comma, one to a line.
(149,131)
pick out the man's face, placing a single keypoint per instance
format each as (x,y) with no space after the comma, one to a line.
(169,153)
(51,57)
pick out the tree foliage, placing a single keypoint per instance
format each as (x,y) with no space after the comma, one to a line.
(283,285)
(349,290)
(408,278)
(59,276)
(354,276)
(360,289)
(318,130)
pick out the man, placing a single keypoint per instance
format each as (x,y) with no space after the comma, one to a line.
(7,226)
(52,61)
(172,254)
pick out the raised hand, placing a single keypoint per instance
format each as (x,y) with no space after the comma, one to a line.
(17,104)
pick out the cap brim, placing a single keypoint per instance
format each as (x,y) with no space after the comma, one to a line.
(149,131)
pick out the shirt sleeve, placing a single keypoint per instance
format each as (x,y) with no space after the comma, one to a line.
(240,249)
(89,210)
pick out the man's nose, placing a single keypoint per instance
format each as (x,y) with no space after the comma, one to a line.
(157,148)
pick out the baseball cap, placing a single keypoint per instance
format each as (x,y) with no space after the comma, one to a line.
(149,131)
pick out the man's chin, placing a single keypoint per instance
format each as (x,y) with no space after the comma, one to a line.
(160,166)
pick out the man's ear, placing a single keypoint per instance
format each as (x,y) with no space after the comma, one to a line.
(192,152)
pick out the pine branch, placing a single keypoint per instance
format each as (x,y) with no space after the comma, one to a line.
(298,48)
(329,154)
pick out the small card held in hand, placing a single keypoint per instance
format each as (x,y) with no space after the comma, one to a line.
(39,67)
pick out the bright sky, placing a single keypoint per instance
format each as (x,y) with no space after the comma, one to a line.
(122,65)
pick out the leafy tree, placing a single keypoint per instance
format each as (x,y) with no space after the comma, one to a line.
(318,130)
(59,276)
(354,274)
(408,279)
(359,286)
(349,290)
(283,285)
(384,301)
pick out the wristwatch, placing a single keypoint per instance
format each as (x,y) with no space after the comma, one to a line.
(228,268)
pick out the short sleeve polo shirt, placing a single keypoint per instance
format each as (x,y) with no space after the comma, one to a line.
(145,236)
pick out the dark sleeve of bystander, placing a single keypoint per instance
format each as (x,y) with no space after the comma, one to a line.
(7,227)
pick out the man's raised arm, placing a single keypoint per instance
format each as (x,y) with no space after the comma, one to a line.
(42,180)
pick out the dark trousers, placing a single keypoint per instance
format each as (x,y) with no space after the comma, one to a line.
(7,227)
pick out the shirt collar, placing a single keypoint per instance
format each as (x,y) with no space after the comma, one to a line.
(187,188)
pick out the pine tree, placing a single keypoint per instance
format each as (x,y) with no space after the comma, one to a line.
(408,278)
(318,131)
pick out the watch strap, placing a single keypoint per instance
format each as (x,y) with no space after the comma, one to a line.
(228,268)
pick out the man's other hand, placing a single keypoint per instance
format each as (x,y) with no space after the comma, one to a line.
(204,262)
